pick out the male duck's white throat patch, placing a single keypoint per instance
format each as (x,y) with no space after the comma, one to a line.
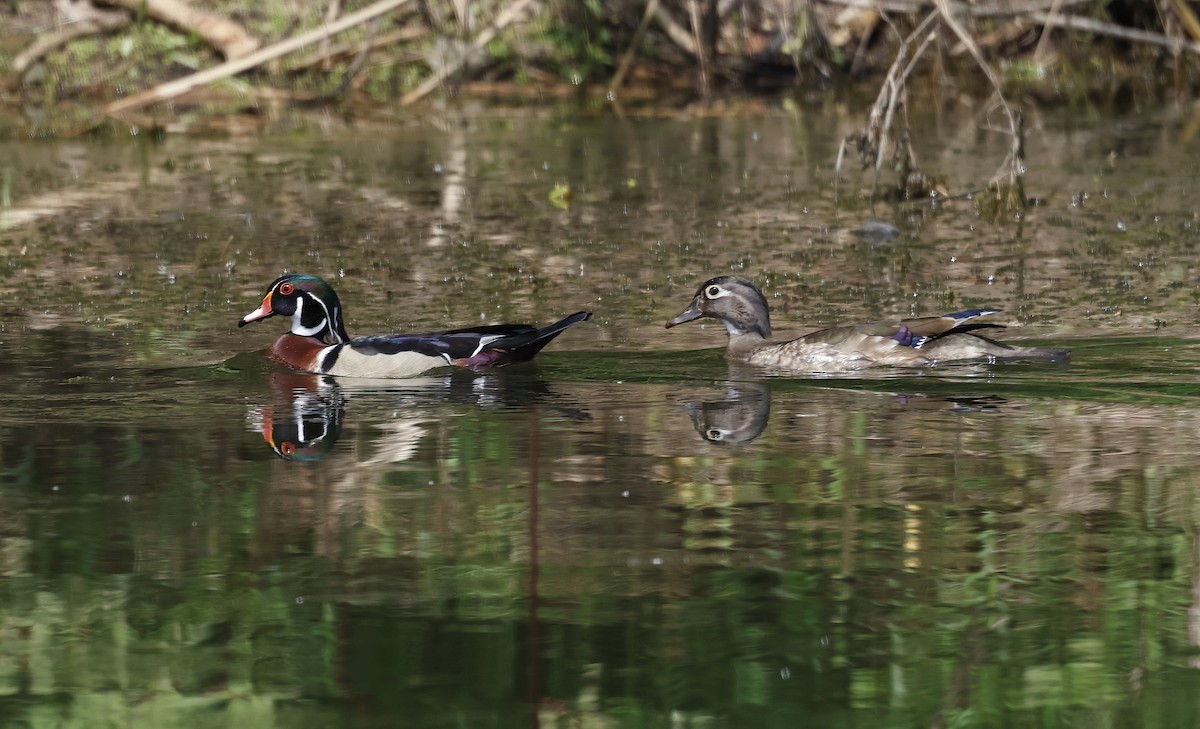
(299,328)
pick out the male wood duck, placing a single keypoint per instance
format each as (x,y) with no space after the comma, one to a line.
(318,341)
(919,342)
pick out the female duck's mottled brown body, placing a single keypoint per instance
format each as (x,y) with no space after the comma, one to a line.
(918,342)
(317,341)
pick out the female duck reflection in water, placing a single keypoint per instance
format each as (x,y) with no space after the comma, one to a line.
(736,420)
(922,342)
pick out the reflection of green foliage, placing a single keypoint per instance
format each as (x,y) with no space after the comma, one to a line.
(182,576)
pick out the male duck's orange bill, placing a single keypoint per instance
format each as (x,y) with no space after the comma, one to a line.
(261,313)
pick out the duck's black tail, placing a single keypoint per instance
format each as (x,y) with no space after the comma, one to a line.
(521,346)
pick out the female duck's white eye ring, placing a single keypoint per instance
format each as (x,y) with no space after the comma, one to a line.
(715,292)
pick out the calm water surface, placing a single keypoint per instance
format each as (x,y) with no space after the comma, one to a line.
(628,532)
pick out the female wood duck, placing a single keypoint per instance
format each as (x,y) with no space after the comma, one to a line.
(919,342)
(318,341)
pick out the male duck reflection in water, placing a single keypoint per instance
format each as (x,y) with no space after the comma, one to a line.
(922,342)
(317,340)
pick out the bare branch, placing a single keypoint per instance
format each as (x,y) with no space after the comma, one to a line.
(171,89)
(503,19)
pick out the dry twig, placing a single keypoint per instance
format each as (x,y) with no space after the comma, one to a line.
(1013,166)
(509,15)
(872,141)
(627,59)
(1047,13)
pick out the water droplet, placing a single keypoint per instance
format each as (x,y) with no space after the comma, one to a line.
(1121,226)
(438,168)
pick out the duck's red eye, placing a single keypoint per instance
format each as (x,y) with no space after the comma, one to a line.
(287,448)
(286,289)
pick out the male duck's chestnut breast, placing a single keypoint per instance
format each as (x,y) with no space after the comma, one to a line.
(299,353)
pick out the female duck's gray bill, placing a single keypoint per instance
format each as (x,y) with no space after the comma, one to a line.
(691,313)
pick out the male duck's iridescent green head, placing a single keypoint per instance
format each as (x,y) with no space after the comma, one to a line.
(309,302)
(735,301)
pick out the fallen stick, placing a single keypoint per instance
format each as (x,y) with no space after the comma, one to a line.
(225,35)
(171,89)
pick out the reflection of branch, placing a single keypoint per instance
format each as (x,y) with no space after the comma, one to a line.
(171,89)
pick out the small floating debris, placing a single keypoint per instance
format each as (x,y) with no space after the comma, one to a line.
(877,230)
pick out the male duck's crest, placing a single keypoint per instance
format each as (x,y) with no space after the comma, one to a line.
(317,340)
(916,342)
